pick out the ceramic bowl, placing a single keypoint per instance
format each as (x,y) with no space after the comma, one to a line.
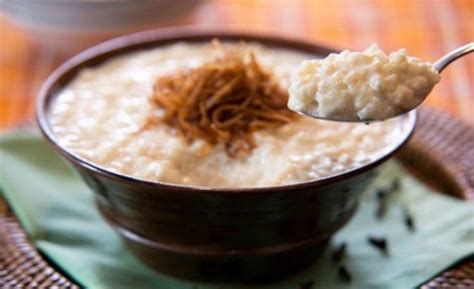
(211,233)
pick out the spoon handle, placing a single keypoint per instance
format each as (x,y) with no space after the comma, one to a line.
(453,55)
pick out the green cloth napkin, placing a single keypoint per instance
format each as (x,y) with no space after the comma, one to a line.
(56,209)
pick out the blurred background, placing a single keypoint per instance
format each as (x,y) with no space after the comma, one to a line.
(37,35)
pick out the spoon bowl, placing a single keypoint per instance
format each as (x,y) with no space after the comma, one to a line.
(350,120)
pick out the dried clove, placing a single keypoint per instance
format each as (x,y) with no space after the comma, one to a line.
(380,244)
(382,203)
(381,194)
(408,219)
(339,254)
(383,197)
(307,284)
(344,274)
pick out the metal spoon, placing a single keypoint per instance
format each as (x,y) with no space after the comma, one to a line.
(453,55)
(439,66)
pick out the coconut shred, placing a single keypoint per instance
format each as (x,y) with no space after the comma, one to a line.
(366,85)
(98,114)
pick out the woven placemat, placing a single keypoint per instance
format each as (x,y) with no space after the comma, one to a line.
(441,153)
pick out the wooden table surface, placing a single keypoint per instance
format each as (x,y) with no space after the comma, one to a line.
(427,28)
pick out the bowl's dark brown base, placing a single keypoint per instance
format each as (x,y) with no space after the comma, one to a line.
(247,268)
(226,265)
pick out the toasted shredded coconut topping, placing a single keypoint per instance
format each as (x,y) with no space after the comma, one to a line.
(222,101)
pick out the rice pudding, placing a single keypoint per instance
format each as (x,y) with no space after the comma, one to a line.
(366,85)
(102,116)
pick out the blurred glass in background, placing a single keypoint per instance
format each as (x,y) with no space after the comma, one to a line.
(72,25)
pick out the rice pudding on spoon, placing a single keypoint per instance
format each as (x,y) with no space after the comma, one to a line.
(361,86)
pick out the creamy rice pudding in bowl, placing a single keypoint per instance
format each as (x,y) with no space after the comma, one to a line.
(195,159)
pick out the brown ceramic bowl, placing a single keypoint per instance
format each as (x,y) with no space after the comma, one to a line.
(208,233)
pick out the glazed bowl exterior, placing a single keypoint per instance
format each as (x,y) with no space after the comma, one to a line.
(211,233)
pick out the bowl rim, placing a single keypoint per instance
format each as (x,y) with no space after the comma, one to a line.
(159,37)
